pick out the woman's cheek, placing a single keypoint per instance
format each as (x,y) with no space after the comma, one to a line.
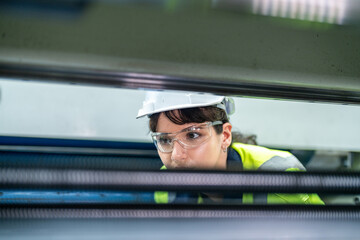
(165,159)
(202,157)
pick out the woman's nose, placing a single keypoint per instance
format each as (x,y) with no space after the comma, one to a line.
(178,153)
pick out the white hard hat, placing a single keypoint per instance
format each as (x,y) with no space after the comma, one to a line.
(161,101)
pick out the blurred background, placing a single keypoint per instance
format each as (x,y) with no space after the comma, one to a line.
(73,74)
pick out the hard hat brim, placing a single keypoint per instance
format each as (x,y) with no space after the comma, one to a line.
(175,107)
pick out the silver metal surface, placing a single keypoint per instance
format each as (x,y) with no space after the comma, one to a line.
(217,46)
(170,228)
(152,81)
(290,182)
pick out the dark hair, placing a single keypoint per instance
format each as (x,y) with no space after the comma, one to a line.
(200,115)
(192,115)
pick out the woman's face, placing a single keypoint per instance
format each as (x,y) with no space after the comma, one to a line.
(208,155)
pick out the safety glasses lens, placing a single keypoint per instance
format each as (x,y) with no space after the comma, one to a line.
(187,138)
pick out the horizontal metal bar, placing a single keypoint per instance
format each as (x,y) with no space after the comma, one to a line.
(152,81)
(273,212)
(281,182)
(73,143)
(79,150)
(48,197)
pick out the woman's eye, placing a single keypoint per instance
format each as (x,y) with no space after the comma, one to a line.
(164,140)
(192,135)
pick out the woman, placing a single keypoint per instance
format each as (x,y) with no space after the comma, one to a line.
(192,131)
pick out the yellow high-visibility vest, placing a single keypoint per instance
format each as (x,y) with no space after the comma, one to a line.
(261,159)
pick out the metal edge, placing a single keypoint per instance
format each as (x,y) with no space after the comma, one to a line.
(77,150)
(153,81)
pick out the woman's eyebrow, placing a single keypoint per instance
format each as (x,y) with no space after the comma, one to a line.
(182,130)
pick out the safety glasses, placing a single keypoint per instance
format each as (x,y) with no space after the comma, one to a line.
(189,137)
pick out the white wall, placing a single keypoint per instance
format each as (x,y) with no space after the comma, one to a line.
(70,111)
(300,124)
(84,112)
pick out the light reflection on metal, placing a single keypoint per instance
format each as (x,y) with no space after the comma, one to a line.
(143,75)
(324,11)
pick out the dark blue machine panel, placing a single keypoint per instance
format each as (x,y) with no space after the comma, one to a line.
(51,153)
